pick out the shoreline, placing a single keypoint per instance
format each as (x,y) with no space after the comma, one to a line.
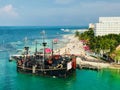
(75,47)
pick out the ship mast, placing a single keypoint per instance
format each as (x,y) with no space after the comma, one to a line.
(44,45)
(52,48)
(36,42)
(25,46)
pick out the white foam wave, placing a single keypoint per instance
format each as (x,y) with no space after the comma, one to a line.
(79,30)
(74,30)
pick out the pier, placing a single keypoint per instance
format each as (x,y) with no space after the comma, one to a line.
(93,65)
(88,66)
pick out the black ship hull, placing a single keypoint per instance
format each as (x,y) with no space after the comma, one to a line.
(56,66)
(61,73)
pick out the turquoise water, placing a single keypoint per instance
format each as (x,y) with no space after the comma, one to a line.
(81,80)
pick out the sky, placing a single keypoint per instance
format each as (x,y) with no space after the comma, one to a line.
(56,12)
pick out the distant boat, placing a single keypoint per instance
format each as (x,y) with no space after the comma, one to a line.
(65,30)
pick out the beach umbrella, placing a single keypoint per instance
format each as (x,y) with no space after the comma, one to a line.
(86,48)
(55,40)
(48,50)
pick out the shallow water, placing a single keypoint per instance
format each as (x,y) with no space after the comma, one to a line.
(81,80)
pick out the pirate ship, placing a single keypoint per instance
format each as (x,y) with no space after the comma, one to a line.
(45,63)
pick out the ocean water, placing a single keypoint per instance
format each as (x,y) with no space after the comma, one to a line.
(12,39)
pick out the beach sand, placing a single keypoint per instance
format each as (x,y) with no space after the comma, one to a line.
(75,47)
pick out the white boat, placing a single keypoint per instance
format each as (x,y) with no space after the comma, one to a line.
(65,30)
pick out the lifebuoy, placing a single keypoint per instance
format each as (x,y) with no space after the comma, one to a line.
(59,66)
(50,61)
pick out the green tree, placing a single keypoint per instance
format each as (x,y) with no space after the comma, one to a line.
(77,33)
(105,44)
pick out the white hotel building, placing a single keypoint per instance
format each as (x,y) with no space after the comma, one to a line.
(107,25)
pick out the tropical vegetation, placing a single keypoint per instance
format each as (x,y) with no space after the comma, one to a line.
(101,45)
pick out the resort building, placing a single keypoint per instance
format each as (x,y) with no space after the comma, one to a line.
(107,25)
(91,25)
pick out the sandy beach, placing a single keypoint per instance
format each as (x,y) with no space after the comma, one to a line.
(74,46)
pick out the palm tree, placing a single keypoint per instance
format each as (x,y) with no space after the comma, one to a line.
(77,33)
(112,45)
(117,56)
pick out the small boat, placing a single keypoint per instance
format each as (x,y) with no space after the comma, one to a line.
(65,30)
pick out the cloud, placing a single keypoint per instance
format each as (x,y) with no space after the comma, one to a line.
(8,10)
(63,1)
